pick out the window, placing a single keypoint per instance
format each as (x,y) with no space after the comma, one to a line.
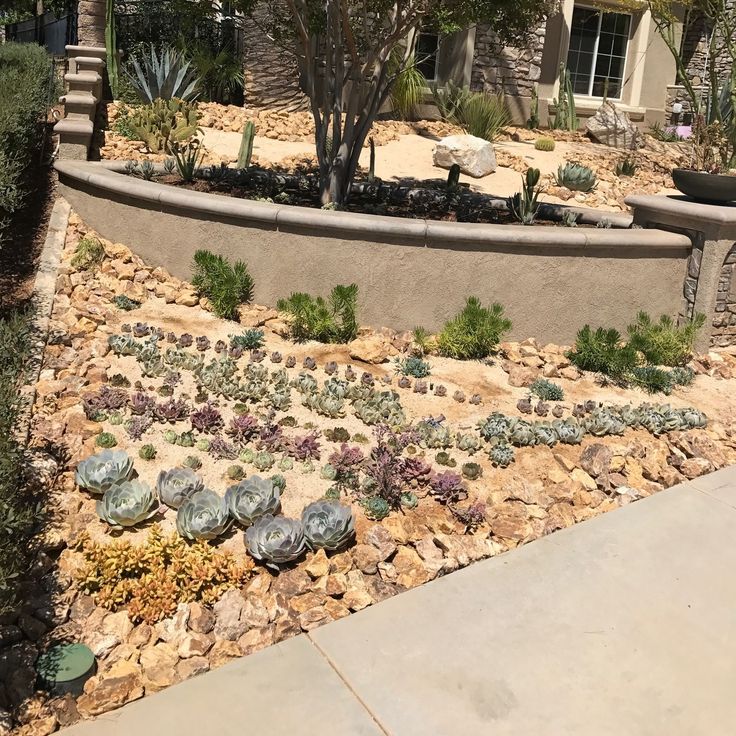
(427,54)
(597,52)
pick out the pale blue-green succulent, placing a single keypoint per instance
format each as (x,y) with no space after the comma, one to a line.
(176,485)
(203,515)
(252,498)
(127,504)
(275,540)
(100,472)
(328,524)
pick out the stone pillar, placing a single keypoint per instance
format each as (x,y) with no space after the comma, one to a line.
(708,286)
(91,22)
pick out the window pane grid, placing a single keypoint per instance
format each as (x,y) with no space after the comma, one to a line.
(597,52)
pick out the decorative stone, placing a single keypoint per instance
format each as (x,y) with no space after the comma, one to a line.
(227,616)
(121,684)
(194,645)
(375,348)
(191,667)
(158,663)
(366,558)
(596,459)
(319,565)
(223,651)
(612,127)
(201,619)
(473,155)
(382,540)
(256,639)
(410,568)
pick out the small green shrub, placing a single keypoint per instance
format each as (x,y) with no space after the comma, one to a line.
(88,254)
(602,351)
(664,342)
(576,177)
(682,376)
(626,167)
(651,379)
(544,144)
(18,512)
(475,332)
(250,339)
(163,123)
(226,286)
(408,89)
(331,320)
(483,115)
(546,390)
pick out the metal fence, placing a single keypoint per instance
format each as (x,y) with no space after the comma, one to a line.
(46,30)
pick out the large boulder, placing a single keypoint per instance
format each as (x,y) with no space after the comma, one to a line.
(612,127)
(474,156)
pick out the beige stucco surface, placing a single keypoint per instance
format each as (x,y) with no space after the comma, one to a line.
(550,280)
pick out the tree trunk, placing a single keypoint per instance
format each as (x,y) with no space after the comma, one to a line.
(91,22)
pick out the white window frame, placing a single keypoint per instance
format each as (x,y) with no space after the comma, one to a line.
(589,94)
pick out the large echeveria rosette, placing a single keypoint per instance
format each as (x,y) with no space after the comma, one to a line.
(176,485)
(328,524)
(252,498)
(102,471)
(127,504)
(203,515)
(275,540)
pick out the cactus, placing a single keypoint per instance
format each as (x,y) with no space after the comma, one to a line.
(163,123)
(372,162)
(533,122)
(544,144)
(246,145)
(576,177)
(523,205)
(565,112)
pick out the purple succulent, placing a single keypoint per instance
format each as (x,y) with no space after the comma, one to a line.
(141,403)
(331,368)
(448,487)
(221,449)
(136,427)
(207,419)
(202,343)
(346,458)
(475,399)
(125,327)
(173,410)
(350,374)
(459,396)
(257,356)
(276,357)
(404,382)
(290,361)
(271,437)
(541,409)
(171,379)
(159,332)
(242,428)
(558,411)
(235,352)
(141,329)
(171,337)
(305,447)
(220,346)
(387,379)
(472,517)
(415,471)
(367,379)
(185,340)
(440,390)
(420,386)
(309,363)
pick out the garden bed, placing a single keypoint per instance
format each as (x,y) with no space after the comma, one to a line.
(154,635)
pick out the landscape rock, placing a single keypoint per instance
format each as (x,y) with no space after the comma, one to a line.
(374,348)
(473,155)
(227,616)
(121,684)
(612,127)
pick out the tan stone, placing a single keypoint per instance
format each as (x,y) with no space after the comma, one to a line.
(580,476)
(336,584)
(121,684)
(366,558)
(305,602)
(256,639)
(191,667)
(521,376)
(374,349)
(410,568)
(318,565)
(695,466)
(194,645)
(158,664)
(357,599)
(201,619)
(223,651)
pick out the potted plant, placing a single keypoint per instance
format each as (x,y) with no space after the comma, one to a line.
(708,179)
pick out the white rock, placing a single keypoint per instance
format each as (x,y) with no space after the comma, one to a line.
(474,156)
(612,127)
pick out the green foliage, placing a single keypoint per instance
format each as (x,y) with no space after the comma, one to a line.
(533,122)
(163,123)
(331,320)
(546,390)
(565,113)
(121,301)
(523,205)
(219,72)
(664,342)
(18,513)
(665,135)
(187,156)
(246,145)
(544,144)
(569,218)
(483,115)
(248,340)
(163,75)
(408,89)
(602,351)
(625,167)
(226,286)
(88,254)
(576,177)
(453,177)
(413,366)
(111,47)
(651,379)
(26,87)
(449,99)
(682,376)
(474,333)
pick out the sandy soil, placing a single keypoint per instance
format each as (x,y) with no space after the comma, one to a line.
(411,157)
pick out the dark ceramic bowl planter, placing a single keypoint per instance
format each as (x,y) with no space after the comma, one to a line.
(704,187)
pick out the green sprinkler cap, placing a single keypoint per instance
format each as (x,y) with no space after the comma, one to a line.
(64,663)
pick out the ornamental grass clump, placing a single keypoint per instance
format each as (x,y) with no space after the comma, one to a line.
(664,342)
(474,333)
(88,254)
(226,286)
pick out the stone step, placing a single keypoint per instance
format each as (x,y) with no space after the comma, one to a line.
(79,105)
(75,136)
(98,52)
(85,82)
(89,64)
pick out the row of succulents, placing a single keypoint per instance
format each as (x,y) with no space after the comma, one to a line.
(202,514)
(502,432)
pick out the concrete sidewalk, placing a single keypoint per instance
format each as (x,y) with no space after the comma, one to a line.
(622,625)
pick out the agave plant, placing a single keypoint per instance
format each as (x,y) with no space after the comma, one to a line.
(127,504)
(328,524)
(176,485)
(162,77)
(576,177)
(100,472)
(275,540)
(252,498)
(203,515)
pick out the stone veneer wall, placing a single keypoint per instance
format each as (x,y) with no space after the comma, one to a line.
(724,319)
(504,69)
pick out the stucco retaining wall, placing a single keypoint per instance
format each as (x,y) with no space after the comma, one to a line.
(551,280)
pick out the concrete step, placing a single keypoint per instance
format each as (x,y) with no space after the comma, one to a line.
(89,64)
(75,136)
(98,52)
(79,105)
(85,82)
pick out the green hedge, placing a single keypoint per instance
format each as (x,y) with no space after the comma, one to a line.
(25,91)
